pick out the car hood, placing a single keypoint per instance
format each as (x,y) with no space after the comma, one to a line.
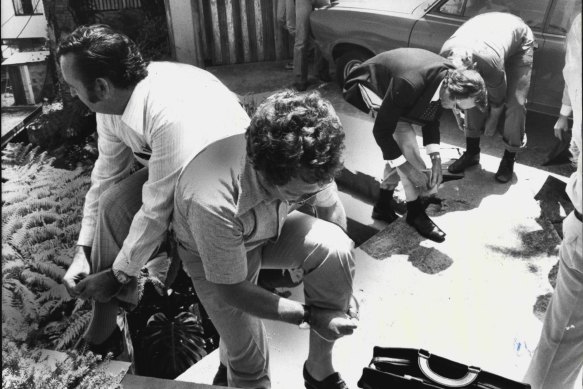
(397,6)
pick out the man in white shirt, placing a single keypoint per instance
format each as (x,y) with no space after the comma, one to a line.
(558,359)
(160,115)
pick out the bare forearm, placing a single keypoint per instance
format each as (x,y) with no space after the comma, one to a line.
(261,303)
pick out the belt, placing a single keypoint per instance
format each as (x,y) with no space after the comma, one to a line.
(578,215)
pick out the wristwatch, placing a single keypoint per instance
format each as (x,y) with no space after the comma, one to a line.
(121,277)
(305,323)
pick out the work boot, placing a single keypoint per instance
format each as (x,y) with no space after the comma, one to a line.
(465,161)
(333,381)
(506,168)
(385,207)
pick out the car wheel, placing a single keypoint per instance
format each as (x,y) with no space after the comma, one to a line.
(347,62)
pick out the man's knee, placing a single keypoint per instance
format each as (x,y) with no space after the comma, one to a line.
(331,243)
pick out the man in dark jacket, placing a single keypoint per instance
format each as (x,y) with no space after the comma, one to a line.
(415,85)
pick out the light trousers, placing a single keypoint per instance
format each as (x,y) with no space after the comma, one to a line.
(406,138)
(558,358)
(325,254)
(518,70)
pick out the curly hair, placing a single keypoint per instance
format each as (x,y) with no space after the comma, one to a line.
(463,84)
(102,52)
(295,135)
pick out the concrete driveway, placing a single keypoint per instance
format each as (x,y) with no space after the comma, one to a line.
(476,298)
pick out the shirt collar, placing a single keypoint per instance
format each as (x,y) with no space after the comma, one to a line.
(133,114)
(436,94)
(252,190)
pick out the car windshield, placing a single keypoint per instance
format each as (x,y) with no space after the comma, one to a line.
(401,6)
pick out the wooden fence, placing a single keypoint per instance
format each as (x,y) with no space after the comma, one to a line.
(236,31)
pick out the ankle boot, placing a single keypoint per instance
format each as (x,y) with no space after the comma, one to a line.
(383,209)
(506,168)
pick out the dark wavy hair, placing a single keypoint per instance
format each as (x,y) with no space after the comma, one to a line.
(295,135)
(102,52)
(465,83)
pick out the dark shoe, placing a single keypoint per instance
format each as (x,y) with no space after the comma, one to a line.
(300,86)
(386,215)
(333,381)
(112,345)
(221,376)
(505,170)
(289,66)
(464,162)
(425,226)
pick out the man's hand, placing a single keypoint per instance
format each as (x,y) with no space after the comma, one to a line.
(436,173)
(331,324)
(417,177)
(492,120)
(561,126)
(101,286)
(78,270)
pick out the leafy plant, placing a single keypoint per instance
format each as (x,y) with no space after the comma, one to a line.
(174,344)
(23,367)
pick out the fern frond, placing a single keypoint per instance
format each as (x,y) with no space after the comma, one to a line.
(23,298)
(33,278)
(40,218)
(12,224)
(40,234)
(14,265)
(76,326)
(49,269)
(57,293)
(18,238)
(64,258)
(13,197)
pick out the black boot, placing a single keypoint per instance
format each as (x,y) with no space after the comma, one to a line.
(506,168)
(417,218)
(383,208)
(469,158)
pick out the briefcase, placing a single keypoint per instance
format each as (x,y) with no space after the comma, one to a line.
(406,368)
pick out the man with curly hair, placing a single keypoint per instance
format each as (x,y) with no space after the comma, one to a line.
(158,115)
(236,211)
(412,87)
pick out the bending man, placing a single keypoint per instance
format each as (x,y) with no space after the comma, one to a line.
(159,115)
(500,47)
(415,85)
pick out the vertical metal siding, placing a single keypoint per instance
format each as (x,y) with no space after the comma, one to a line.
(236,31)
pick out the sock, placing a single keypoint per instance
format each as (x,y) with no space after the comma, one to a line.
(414,208)
(103,322)
(473,145)
(385,197)
(509,156)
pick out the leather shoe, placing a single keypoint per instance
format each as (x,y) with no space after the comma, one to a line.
(426,227)
(464,162)
(386,215)
(505,170)
(112,345)
(221,376)
(333,381)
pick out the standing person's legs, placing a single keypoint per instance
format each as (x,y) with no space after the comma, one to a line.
(303,10)
(558,358)
(117,207)
(416,217)
(325,254)
(243,345)
(384,206)
(290,17)
(518,73)
(474,126)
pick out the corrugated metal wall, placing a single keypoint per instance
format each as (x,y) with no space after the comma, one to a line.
(236,31)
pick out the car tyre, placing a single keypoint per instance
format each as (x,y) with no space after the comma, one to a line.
(347,62)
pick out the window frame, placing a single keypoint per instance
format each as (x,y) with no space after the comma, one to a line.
(34,8)
(435,10)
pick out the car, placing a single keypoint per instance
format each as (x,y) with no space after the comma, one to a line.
(351,31)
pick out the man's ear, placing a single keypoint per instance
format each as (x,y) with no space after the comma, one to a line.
(103,88)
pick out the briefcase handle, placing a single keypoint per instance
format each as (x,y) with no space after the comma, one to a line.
(466,380)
